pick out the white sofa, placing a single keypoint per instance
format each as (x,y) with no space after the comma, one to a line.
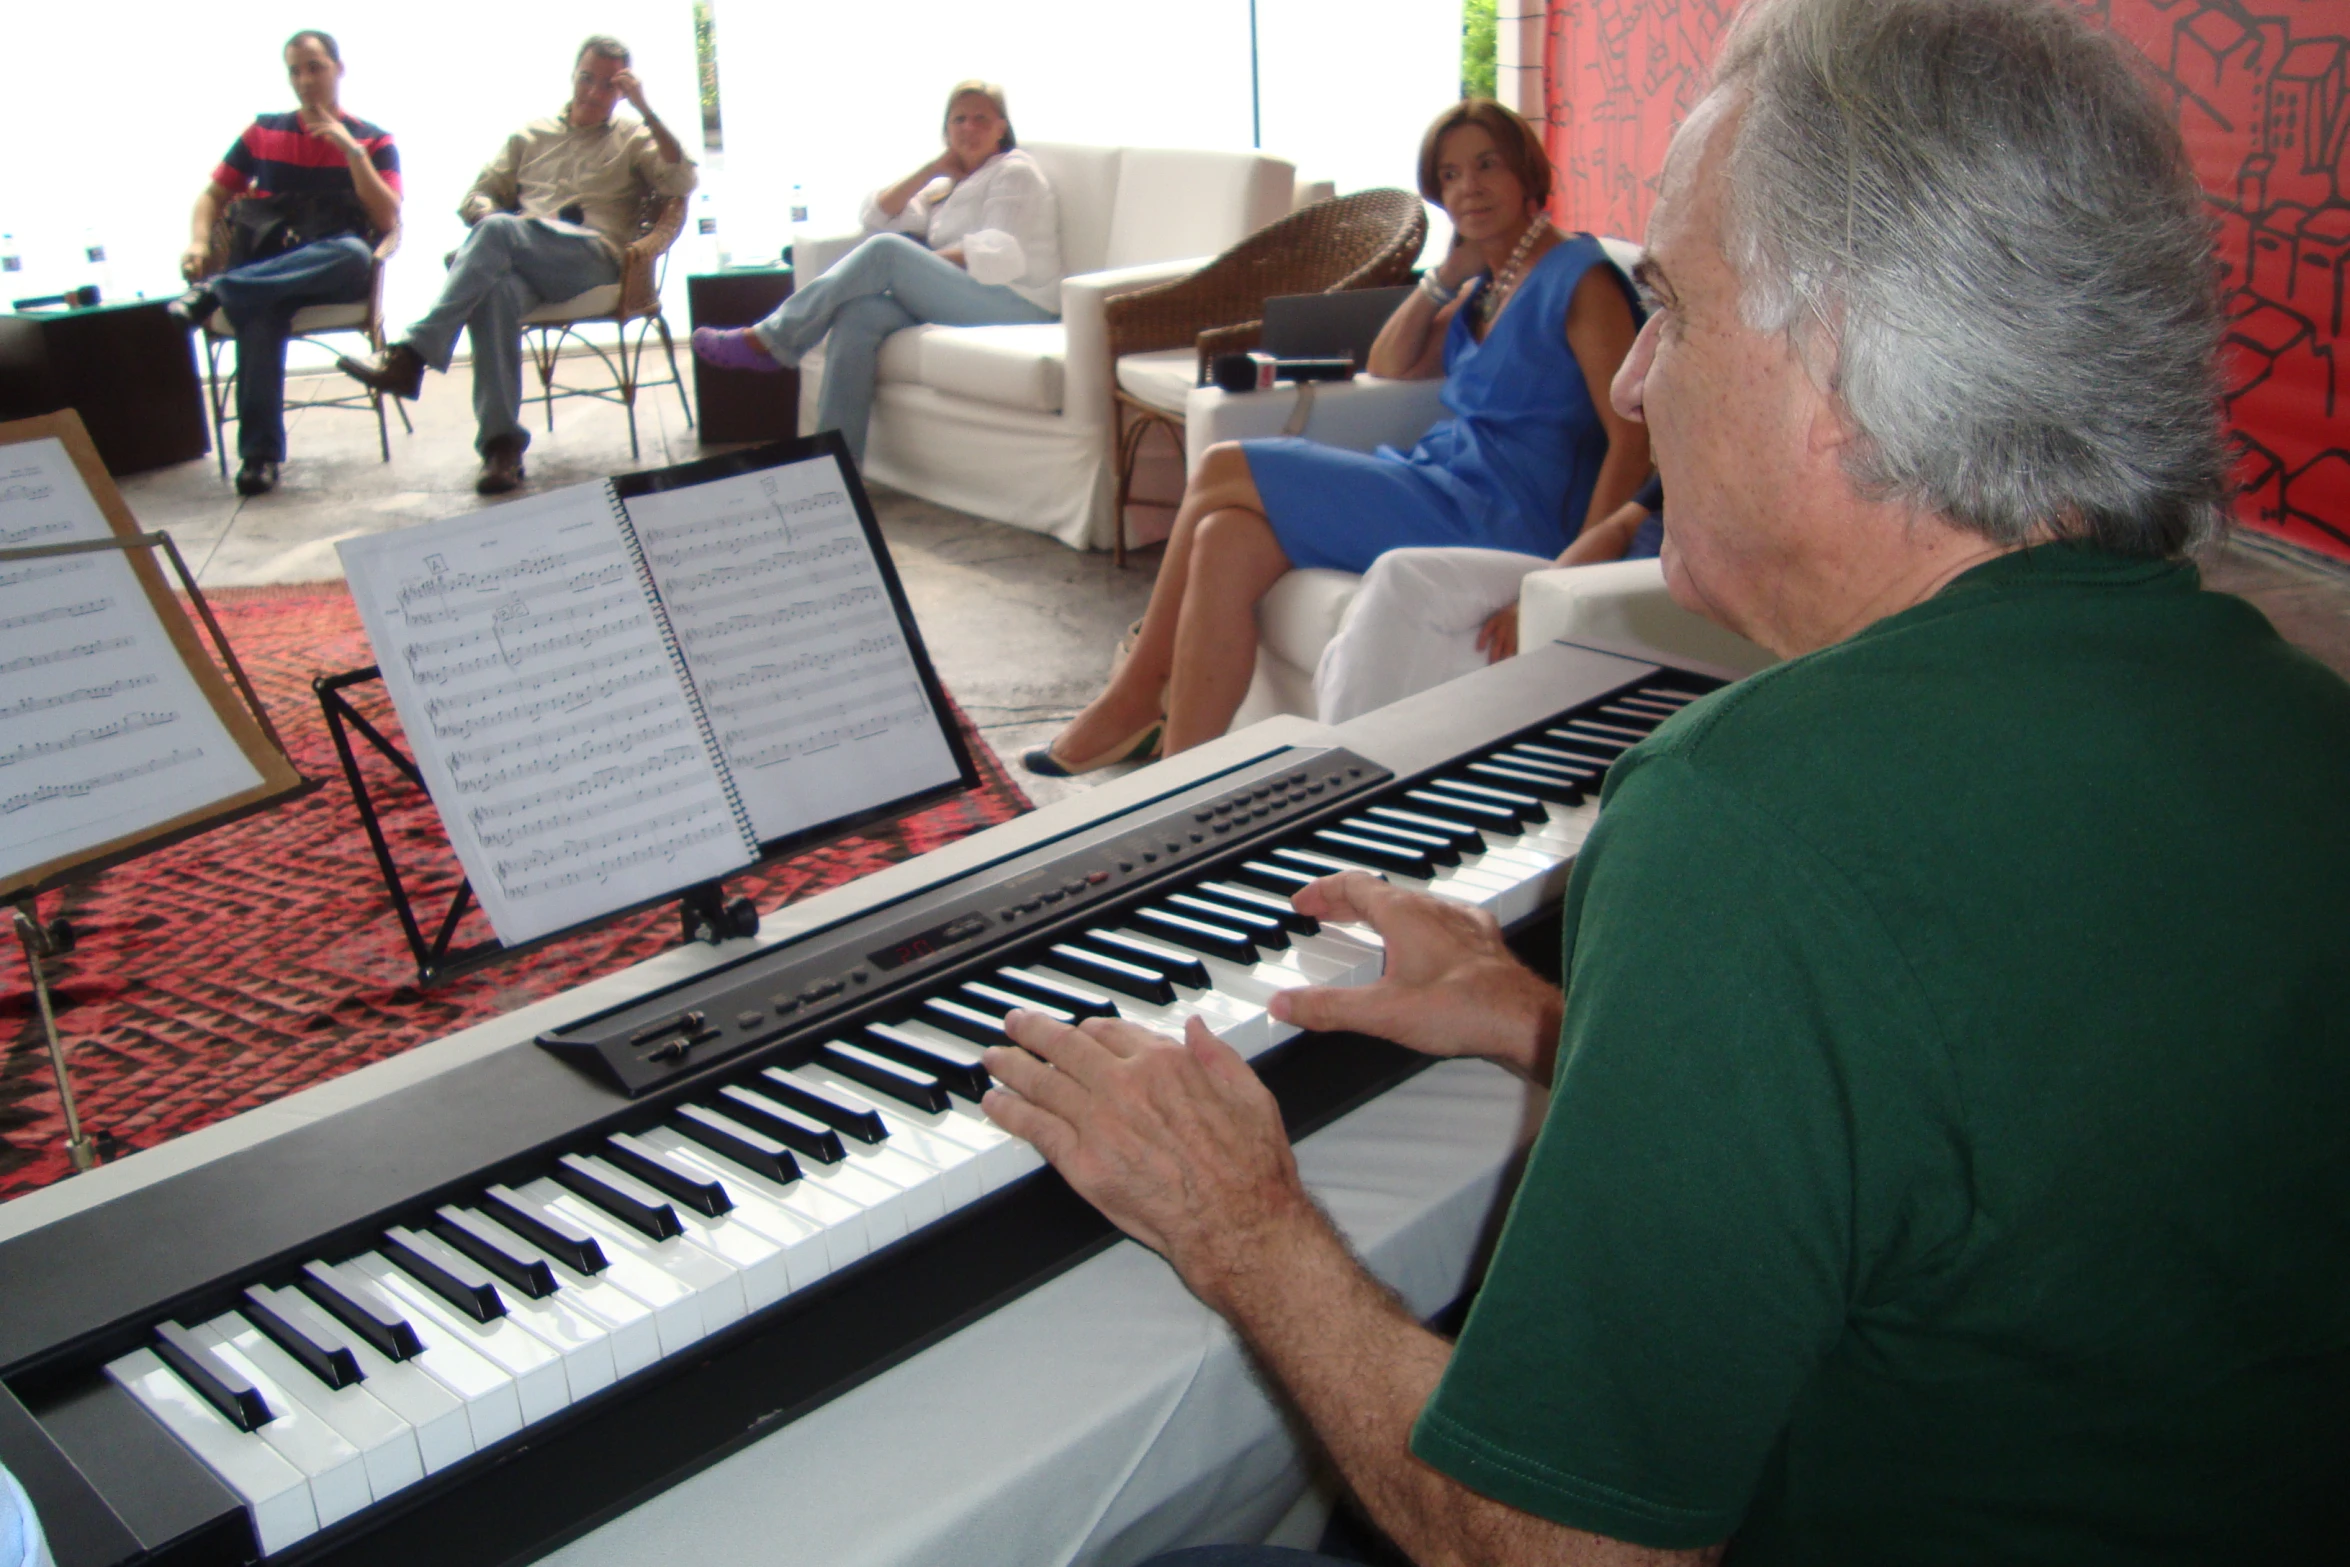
(1621,604)
(1012,422)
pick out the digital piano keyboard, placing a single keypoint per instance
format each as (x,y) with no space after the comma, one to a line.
(468,1319)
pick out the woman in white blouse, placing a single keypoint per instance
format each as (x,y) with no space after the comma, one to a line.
(985,250)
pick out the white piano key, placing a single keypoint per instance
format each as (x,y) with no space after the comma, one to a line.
(492,1400)
(840,1221)
(925,1198)
(582,1341)
(336,1471)
(432,1412)
(766,1275)
(886,1207)
(274,1493)
(675,1305)
(631,1337)
(537,1370)
(716,1287)
(916,1134)
(807,1245)
(386,1444)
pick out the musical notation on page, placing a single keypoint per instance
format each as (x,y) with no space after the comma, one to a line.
(557,733)
(788,630)
(104,731)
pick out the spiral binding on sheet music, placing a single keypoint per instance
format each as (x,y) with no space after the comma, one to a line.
(693,692)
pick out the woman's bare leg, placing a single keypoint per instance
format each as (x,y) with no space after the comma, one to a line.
(1235,559)
(1223,486)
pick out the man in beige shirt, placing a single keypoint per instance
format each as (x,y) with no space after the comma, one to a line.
(552,215)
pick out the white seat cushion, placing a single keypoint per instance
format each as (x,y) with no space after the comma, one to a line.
(1012,366)
(901,354)
(596,303)
(310,318)
(1299,616)
(1163,380)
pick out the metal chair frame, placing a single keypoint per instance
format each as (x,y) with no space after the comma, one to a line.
(643,271)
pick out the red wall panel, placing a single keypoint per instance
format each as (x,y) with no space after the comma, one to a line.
(2262,91)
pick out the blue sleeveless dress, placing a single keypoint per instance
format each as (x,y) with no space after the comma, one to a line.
(1512,469)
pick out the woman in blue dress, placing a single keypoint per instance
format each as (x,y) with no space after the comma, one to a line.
(1527,327)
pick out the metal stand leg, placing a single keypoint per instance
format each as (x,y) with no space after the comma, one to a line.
(49,939)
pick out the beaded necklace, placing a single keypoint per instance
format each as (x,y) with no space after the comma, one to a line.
(1495,294)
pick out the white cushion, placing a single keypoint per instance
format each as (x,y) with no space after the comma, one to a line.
(1173,203)
(1299,616)
(310,318)
(1163,380)
(900,358)
(597,303)
(1085,189)
(1622,603)
(1015,366)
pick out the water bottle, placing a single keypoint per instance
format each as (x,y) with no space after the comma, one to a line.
(11,260)
(799,222)
(95,267)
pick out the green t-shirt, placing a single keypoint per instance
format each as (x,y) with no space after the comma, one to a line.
(1949,1157)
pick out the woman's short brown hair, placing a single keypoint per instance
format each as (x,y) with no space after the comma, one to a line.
(1520,146)
(994,93)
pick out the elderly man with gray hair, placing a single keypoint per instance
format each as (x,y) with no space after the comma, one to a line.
(552,215)
(1946,1158)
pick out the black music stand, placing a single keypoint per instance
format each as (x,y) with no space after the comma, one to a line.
(705,913)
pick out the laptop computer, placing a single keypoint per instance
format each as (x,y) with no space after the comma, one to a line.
(1328,326)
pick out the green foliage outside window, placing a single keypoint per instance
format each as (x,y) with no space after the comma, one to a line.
(1477,48)
(706,66)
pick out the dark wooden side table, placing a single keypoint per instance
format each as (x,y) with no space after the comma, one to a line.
(741,405)
(129,370)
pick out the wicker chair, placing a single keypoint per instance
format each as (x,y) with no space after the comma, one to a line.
(1366,240)
(364,317)
(634,301)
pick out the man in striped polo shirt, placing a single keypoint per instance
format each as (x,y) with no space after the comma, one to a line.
(334,179)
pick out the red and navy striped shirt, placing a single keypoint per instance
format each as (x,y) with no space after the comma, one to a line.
(277,157)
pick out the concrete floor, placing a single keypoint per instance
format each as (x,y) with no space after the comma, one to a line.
(1019,627)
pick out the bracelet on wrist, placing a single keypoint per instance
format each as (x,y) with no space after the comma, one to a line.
(1436,291)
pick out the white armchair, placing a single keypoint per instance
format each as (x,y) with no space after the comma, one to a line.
(1012,423)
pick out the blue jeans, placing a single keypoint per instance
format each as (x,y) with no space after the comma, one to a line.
(886,284)
(508,266)
(261,298)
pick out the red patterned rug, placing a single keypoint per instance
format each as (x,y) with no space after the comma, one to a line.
(247,963)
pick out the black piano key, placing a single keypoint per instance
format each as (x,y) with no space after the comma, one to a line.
(966,1078)
(1546,759)
(1614,729)
(807,1137)
(1524,806)
(1372,851)
(981,996)
(385,1332)
(1174,963)
(1463,836)
(1216,941)
(333,1364)
(736,1142)
(902,1083)
(704,1197)
(574,1248)
(525,1275)
(477,1297)
(1278,879)
(961,1017)
(1585,739)
(1438,850)
(1267,930)
(1042,992)
(848,1120)
(1318,864)
(1265,903)
(1496,819)
(1120,976)
(1543,787)
(653,1220)
(222,1385)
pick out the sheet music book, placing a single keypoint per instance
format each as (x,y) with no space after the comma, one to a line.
(116,728)
(622,689)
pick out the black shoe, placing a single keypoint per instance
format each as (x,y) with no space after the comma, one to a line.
(398,371)
(501,467)
(193,307)
(258,476)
